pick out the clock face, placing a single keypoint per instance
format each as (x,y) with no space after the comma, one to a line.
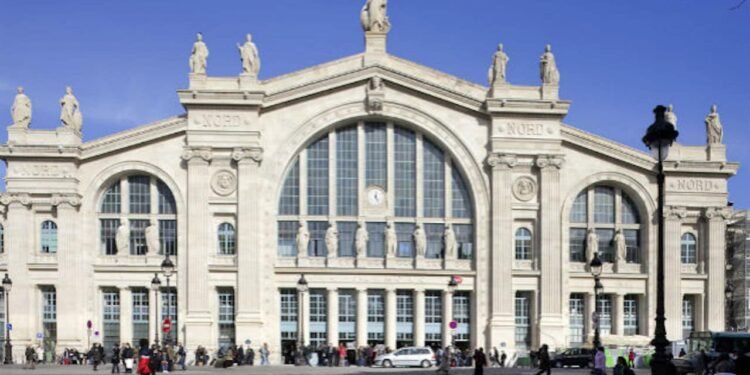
(375,196)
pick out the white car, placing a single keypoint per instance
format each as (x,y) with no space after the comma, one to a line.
(408,356)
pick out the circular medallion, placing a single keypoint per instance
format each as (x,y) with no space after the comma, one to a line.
(375,196)
(524,189)
(224,182)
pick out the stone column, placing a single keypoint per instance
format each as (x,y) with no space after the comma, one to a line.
(333,316)
(71,300)
(361,316)
(588,326)
(502,322)
(250,266)
(390,318)
(673,271)
(126,315)
(419,317)
(198,322)
(19,245)
(447,317)
(715,263)
(551,310)
(154,304)
(618,314)
(700,316)
(303,316)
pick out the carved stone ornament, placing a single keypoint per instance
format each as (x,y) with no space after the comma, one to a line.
(524,189)
(7,199)
(255,154)
(375,95)
(502,160)
(203,153)
(71,199)
(675,212)
(717,213)
(550,161)
(224,182)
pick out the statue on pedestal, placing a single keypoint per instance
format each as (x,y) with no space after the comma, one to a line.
(449,237)
(496,74)
(374,17)
(332,240)
(420,241)
(199,56)
(360,240)
(152,238)
(70,114)
(20,112)
(621,247)
(670,116)
(592,244)
(122,238)
(249,56)
(390,240)
(714,130)
(548,68)
(303,237)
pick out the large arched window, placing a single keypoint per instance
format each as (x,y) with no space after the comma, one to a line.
(137,202)
(48,237)
(226,238)
(382,172)
(688,249)
(605,210)
(523,244)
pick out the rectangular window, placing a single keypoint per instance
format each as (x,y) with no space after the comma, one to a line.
(347,315)
(630,315)
(577,245)
(226,317)
(289,204)
(465,239)
(604,304)
(111,318)
(523,244)
(287,235)
(346,238)
(633,245)
(168,236)
(604,205)
(579,212)
(347,183)
(404,315)
(405,174)
(461,314)
(376,161)
(606,248)
(111,200)
(461,198)
(169,305)
(523,338)
(140,314)
(288,309)
(434,181)
(317,245)
(434,234)
(688,316)
(433,314)
(49,321)
(375,243)
(166,199)
(318,317)
(139,188)
(577,317)
(375,316)
(405,240)
(317,177)
(107,234)
(138,237)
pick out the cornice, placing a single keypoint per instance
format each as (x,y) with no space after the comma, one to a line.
(73,200)
(606,147)
(132,137)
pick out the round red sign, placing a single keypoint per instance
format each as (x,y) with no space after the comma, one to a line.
(166,326)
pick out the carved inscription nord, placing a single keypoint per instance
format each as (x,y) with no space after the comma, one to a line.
(41,170)
(219,120)
(695,185)
(524,129)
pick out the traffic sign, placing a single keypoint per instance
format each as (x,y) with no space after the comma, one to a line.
(89,324)
(458,279)
(96,333)
(166,325)
(9,326)
(39,336)
(453,324)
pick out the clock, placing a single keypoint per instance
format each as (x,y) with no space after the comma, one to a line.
(376,196)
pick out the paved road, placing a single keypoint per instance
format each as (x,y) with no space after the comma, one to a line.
(284,370)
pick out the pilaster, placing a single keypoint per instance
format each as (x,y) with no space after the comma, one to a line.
(390,318)
(447,317)
(419,317)
(673,217)
(588,326)
(22,311)
(715,262)
(333,316)
(618,314)
(71,302)
(361,317)
(126,315)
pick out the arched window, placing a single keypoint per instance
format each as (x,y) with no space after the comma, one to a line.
(48,237)
(128,202)
(523,244)
(226,238)
(605,209)
(397,175)
(688,249)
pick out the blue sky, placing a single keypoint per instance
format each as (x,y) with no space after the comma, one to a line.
(618,59)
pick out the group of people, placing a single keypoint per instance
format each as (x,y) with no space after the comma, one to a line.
(726,363)
(147,359)
(455,357)
(329,355)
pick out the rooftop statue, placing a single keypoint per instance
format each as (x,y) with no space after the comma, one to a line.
(199,56)
(70,114)
(374,17)
(500,60)
(714,131)
(249,56)
(20,112)
(548,68)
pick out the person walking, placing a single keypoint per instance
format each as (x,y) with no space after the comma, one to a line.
(127,358)
(96,355)
(544,362)
(494,357)
(631,357)
(30,355)
(144,356)
(480,361)
(445,362)
(264,353)
(503,358)
(116,358)
(181,356)
(600,362)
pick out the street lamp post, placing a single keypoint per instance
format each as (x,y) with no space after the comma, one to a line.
(7,284)
(168,268)
(452,285)
(596,270)
(301,288)
(729,292)
(155,284)
(659,137)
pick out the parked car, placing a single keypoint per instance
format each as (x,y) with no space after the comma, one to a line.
(580,357)
(410,356)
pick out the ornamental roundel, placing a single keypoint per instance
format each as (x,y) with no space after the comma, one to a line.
(524,189)
(224,182)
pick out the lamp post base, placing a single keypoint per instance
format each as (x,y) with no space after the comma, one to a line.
(8,360)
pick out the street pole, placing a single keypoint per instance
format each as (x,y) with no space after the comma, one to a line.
(169,313)
(597,338)
(660,362)
(8,347)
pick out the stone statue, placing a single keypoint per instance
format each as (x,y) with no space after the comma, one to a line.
(547,67)
(303,237)
(360,240)
(714,131)
(199,57)
(420,241)
(592,244)
(390,240)
(249,56)
(496,74)
(122,238)
(449,237)
(332,240)
(152,238)
(620,246)
(670,116)
(374,17)
(70,114)
(20,112)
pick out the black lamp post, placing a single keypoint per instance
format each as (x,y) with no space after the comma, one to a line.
(301,288)
(729,292)
(659,137)
(167,267)
(155,284)
(452,285)
(596,270)
(7,284)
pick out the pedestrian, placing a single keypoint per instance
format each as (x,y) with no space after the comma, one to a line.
(250,356)
(116,358)
(445,362)
(543,358)
(600,361)
(682,353)
(494,357)
(144,356)
(264,353)
(621,368)
(181,356)
(96,355)
(127,358)
(30,355)
(503,357)
(342,354)
(631,358)
(480,361)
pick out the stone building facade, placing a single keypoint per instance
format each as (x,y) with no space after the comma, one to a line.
(424,177)
(738,277)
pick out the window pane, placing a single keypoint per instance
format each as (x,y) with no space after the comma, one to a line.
(688,251)
(405,164)
(604,304)
(633,244)
(110,318)
(111,200)
(138,236)
(226,237)
(317,245)
(630,316)
(289,202)
(523,244)
(168,236)
(523,339)
(346,238)
(140,315)
(317,177)
(434,181)
(405,239)
(49,237)
(287,235)
(579,212)
(376,243)
(434,234)
(688,317)
(577,245)
(629,211)
(166,199)
(139,194)
(433,316)
(606,248)
(576,319)
(604,205)
(376,164)
(465,239)
(461,198)
(346,171)
(107,234)
(461,314)
(226,318)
